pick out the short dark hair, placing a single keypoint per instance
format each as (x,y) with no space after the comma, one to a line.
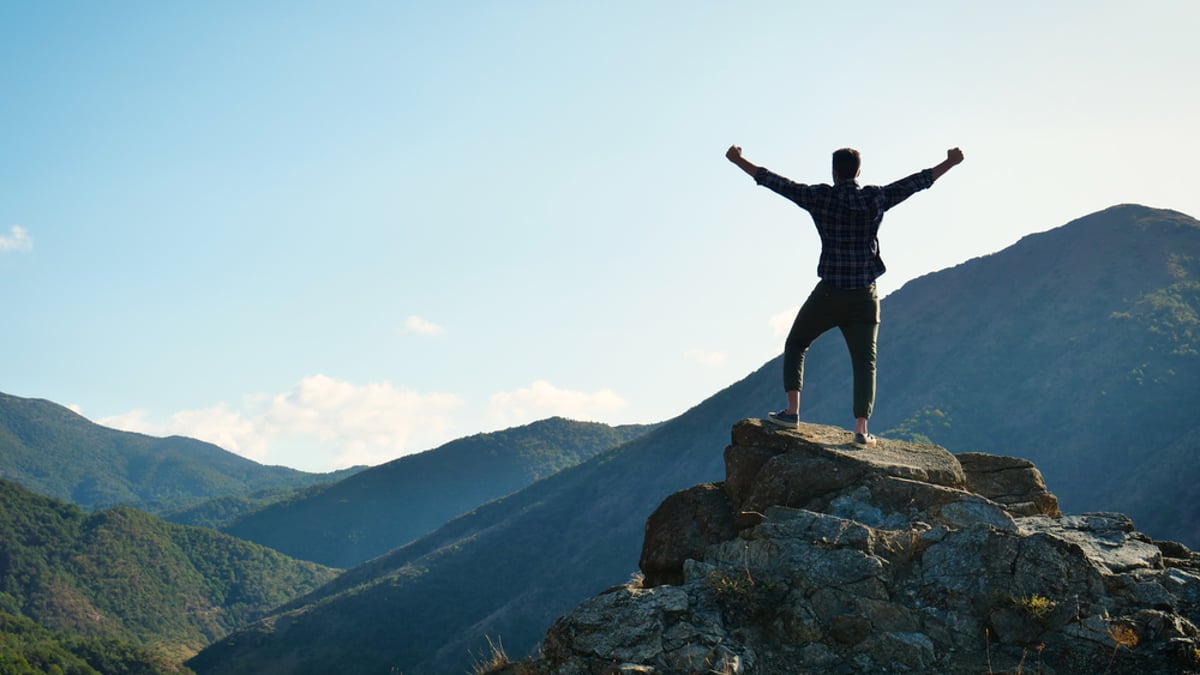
(846,162)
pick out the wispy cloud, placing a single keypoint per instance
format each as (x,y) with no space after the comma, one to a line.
(781,323)
(321,424)
(705,357)
(135,420)
(415,324)
(542,399)
(17,239)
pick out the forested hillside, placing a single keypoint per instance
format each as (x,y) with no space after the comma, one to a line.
(123,574)
(29,649)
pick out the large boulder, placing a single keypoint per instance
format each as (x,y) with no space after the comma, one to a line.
(813,465)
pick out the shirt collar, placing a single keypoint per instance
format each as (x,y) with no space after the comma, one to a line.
(851,182)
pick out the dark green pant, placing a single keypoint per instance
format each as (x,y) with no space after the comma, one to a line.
(856,312)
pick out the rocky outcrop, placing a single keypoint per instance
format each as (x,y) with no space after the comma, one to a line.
(1016,483)
(816,556)
(686,524)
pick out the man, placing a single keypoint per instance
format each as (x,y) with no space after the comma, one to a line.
(847,217)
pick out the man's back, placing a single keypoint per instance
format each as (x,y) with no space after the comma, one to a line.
(847,217)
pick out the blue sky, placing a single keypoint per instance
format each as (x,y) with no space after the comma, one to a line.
(321,234)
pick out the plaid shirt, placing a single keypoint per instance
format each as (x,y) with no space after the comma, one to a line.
(847,218)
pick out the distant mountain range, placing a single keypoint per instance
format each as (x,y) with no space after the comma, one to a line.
(348,522)
(506,569)
(65,575)
(1076,348)
(55,452)
(122,574)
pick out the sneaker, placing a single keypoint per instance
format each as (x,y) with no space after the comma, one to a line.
(783,419)
(864,440)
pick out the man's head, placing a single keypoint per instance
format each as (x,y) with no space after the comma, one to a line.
(846,163)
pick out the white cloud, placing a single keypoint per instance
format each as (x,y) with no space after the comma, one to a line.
(134,420)
(781,323)
(17,240)
(223,427)
(364,424)
(415,324)
(324,423)
(705,357)
(542,399)
(321,424)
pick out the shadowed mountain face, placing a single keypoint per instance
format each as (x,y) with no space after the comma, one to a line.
(55,452)
(1078,349)
(1075,348)
(507,569)
(354,520)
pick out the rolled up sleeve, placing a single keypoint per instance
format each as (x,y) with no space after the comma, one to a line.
(799,193)
(905,187)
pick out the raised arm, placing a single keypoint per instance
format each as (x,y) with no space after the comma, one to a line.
(902,189)
(954,157)
(734,154)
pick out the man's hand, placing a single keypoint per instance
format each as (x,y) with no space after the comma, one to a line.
(954,157)
(734,154)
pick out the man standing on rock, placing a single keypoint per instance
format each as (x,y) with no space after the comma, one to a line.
(847,217)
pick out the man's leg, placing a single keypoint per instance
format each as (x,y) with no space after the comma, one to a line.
(861,340)
(793,401)
(813,319)
(860,328)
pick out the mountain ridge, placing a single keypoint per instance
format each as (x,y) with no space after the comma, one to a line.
(59,453)
(346,523)
(947,349)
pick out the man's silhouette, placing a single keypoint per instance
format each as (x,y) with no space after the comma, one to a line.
(847,217)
